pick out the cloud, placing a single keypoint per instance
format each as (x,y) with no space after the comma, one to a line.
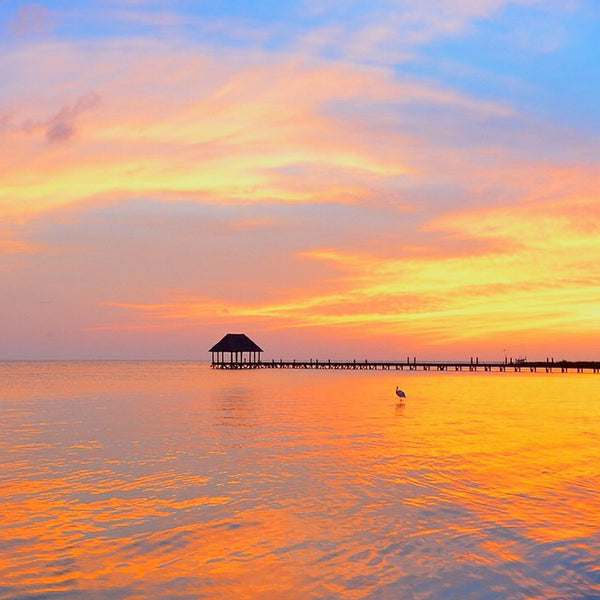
(182,186)
(229,125)
(58,127)
(61,126)
(533,269)
(59,131)
(391,31)
(31,19)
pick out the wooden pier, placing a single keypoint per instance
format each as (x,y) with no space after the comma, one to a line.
(238,351)
(473,365)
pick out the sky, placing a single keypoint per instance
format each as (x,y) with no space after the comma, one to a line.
(336,179)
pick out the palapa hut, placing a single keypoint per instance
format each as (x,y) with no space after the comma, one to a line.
(236,345)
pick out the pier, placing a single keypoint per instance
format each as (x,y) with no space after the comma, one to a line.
(238,351)
(414,365)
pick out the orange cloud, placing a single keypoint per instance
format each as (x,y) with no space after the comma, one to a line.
(464,232)
(224,126)
(8,246)
(535,271)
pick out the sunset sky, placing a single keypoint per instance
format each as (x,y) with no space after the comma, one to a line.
(340,179)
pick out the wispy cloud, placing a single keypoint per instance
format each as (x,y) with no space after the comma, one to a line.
(30,19)
(528,275)
(391,32)
(357,170)
(227,125)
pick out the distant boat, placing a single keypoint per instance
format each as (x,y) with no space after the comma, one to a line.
(400,393)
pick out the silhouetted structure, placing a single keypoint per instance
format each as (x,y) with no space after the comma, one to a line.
(236,345)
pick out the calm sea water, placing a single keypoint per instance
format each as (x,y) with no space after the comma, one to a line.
(149,480)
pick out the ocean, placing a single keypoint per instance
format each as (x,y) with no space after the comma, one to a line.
(168,480)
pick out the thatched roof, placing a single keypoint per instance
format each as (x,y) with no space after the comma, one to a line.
(236,342)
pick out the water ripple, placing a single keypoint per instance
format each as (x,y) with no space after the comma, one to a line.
(139,480)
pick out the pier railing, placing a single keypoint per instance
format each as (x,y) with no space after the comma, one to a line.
(414,365)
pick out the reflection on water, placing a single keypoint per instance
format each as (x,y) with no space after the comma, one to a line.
(169,480)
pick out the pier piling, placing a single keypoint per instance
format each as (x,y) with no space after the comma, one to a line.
(440,366)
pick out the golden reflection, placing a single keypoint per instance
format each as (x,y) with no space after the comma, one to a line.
(330,488)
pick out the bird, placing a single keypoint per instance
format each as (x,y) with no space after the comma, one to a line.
(400,393)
